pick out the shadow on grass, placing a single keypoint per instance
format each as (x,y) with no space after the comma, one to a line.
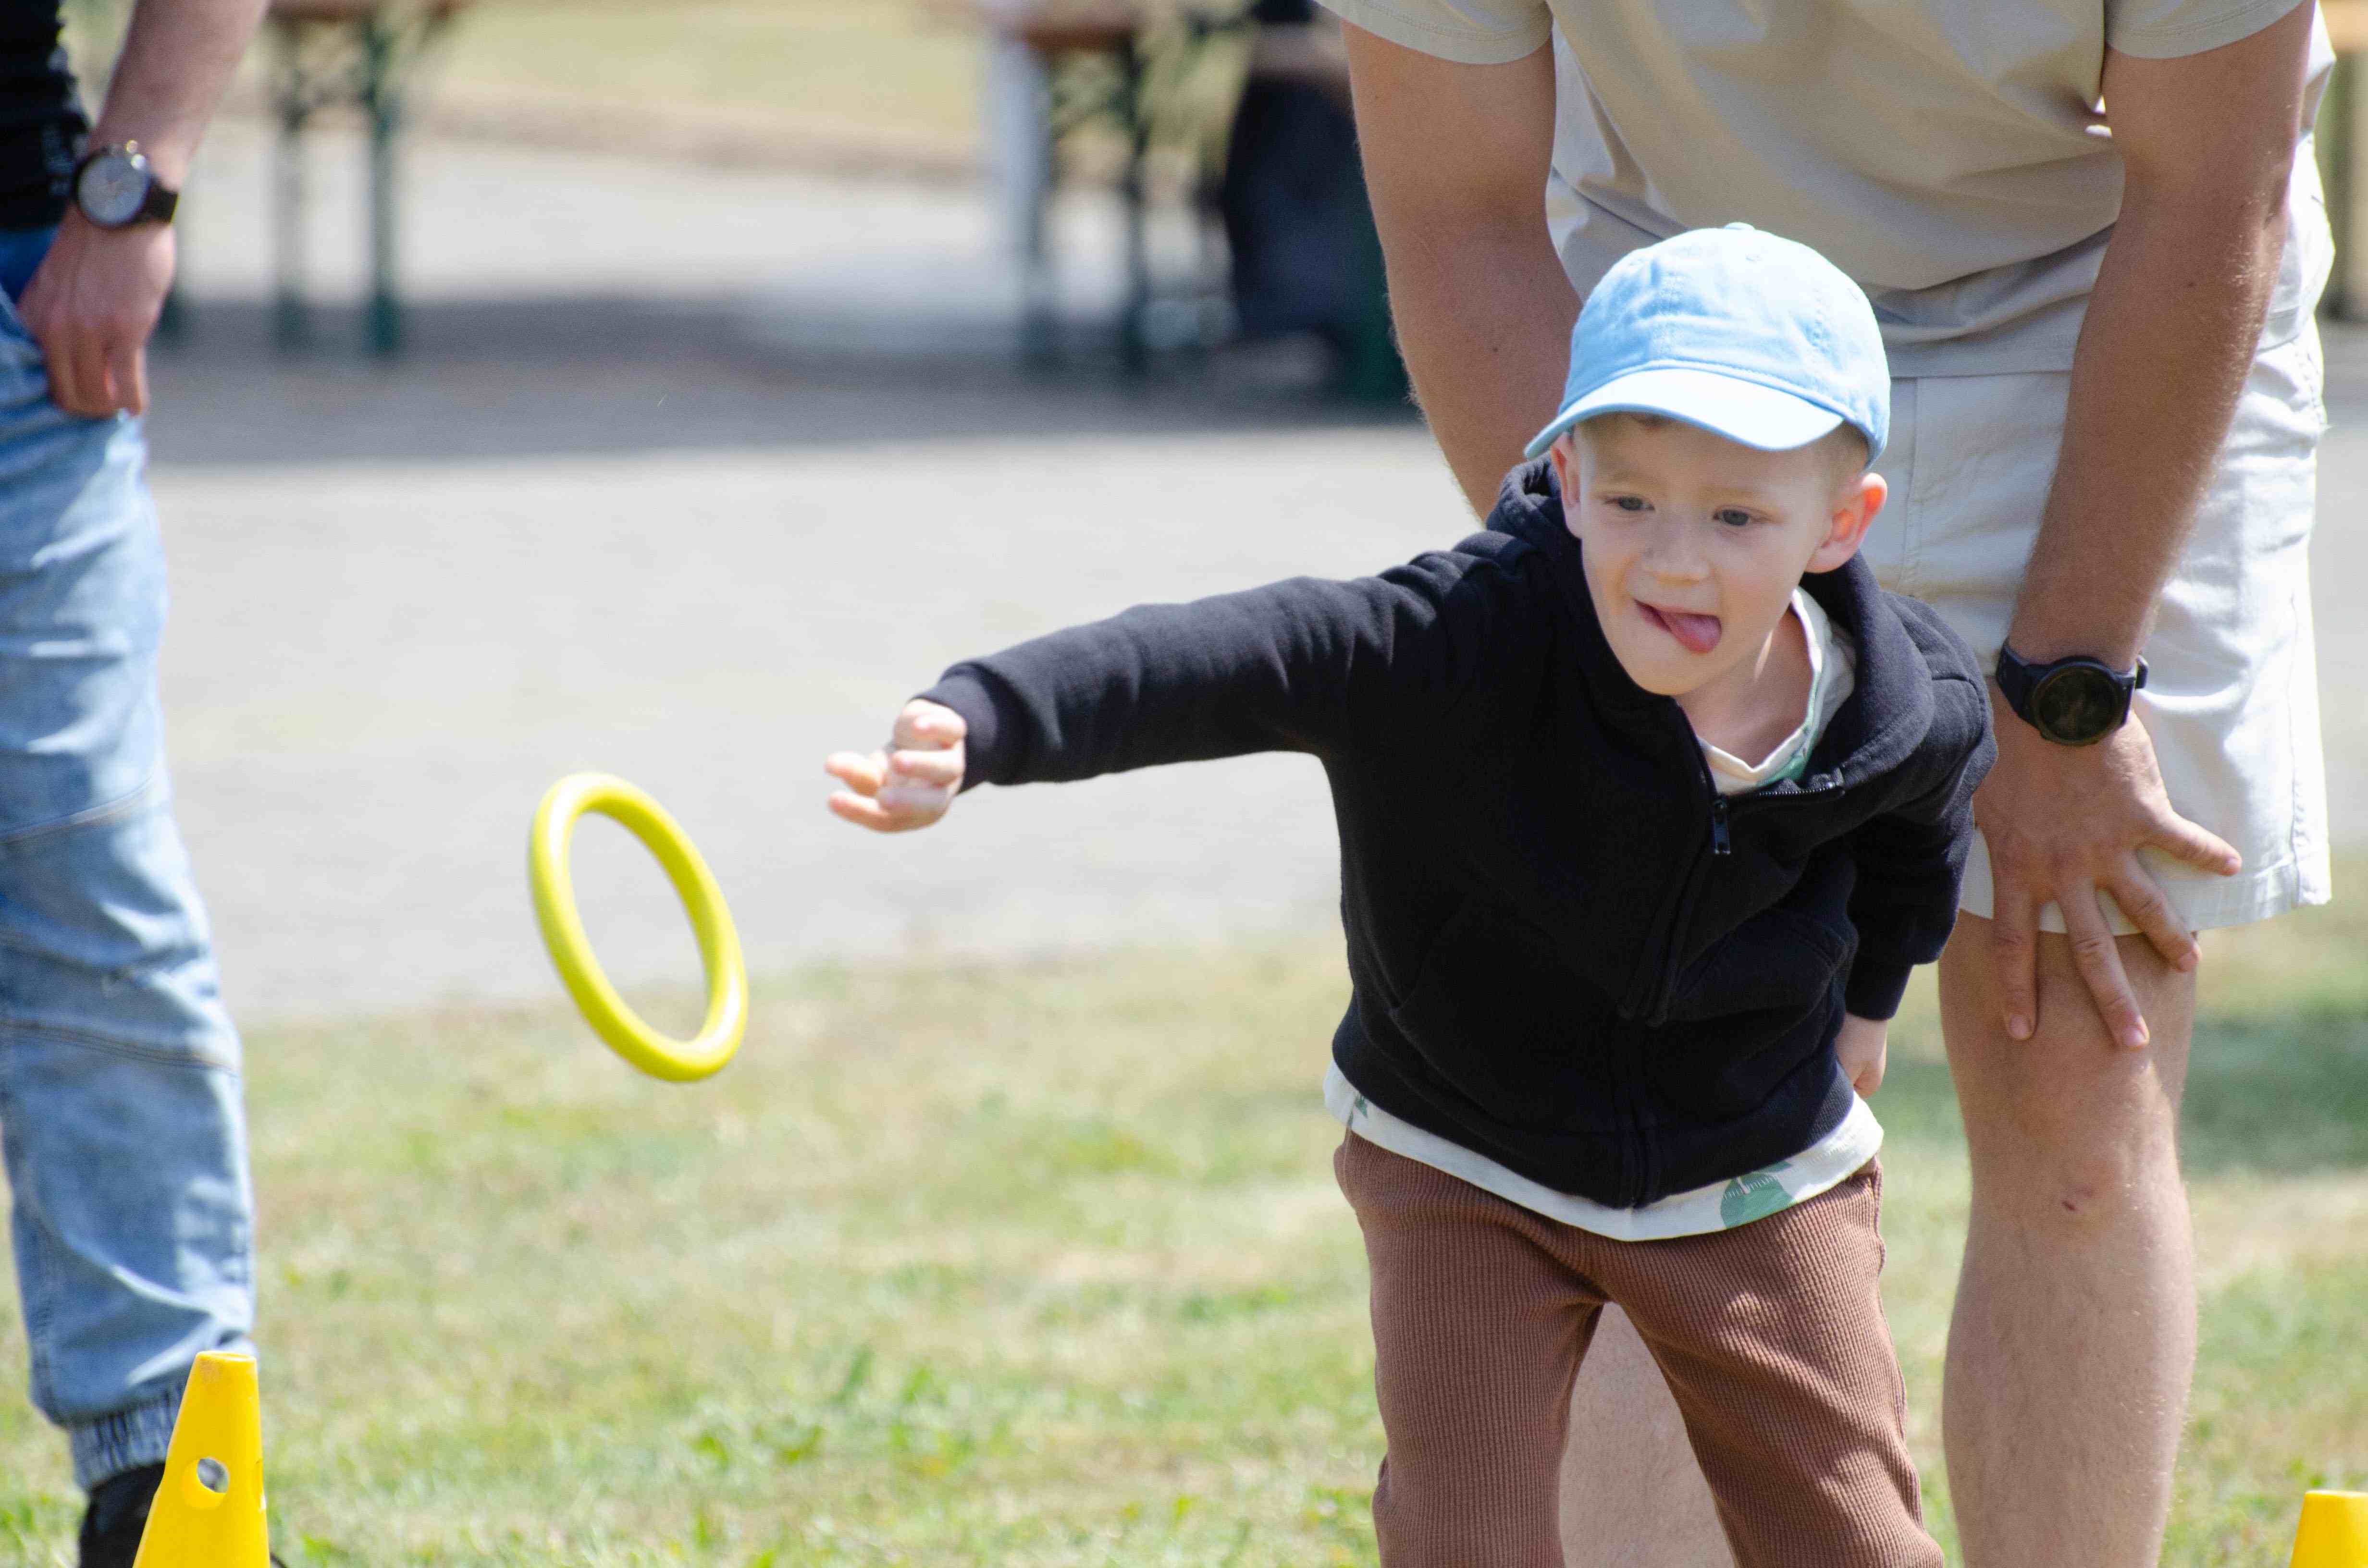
(2283,1093)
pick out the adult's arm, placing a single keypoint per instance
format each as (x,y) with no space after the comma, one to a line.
(2207,143)
(97,296)
(1456,158)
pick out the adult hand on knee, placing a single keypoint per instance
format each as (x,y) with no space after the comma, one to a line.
(2063,824)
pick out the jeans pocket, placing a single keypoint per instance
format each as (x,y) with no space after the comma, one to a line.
(24,369)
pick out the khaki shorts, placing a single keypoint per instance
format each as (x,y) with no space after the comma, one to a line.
(2231,698)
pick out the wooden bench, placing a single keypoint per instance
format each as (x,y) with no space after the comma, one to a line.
(333,54)
(1108,61)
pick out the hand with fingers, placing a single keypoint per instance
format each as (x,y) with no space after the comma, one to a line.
(91,306)
(912,780)
(2064,824)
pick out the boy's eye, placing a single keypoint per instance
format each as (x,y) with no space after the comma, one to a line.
(1629,502)
(1732,517)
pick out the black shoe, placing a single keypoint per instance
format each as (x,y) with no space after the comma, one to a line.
(118,1514)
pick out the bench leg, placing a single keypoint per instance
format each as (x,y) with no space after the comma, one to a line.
(290,329)
(381,101)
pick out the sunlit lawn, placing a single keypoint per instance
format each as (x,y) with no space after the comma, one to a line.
(908,68)
(1042,1264)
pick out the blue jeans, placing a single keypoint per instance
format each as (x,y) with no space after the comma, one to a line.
(119,1102)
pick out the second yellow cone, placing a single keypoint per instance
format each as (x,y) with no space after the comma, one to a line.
(209,1511)
(2334,1532)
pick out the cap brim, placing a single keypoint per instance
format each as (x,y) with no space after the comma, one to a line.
(1741,411)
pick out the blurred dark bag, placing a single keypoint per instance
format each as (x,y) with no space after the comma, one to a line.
(1305,257)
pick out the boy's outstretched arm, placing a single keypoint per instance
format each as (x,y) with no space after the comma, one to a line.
(1391,668)
(909,782)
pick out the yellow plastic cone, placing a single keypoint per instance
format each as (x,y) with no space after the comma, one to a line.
(2334,1532)
(209,1508)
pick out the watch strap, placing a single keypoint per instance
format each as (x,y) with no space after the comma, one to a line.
(2015,678)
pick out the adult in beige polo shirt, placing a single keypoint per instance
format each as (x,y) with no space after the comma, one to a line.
(2094,252)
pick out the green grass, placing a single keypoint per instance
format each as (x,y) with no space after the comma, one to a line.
(1043,1264)
(901,76)
(899,66)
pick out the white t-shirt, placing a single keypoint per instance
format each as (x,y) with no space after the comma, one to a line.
(1833,675)
(1948,155)
(1720,1205)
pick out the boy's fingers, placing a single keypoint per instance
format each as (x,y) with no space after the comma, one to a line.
(861,772)
(864,811)
(860,810)
(917,805)
(937,767)
(928,725)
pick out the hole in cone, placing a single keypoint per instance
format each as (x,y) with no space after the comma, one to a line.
(213,1475)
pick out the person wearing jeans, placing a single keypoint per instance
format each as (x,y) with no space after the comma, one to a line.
(120,1116)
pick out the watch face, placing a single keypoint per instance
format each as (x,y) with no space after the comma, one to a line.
(2078,706)
(112,189)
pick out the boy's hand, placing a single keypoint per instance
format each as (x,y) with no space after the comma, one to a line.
(1861,1045)
(911,782)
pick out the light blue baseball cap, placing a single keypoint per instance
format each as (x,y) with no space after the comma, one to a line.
(1753,338)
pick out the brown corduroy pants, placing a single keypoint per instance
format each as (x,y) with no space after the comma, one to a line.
(1771,1337)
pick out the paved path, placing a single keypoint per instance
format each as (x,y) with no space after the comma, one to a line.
(634,503)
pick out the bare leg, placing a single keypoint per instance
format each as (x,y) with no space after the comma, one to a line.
(1632,1494)
(2073,1338)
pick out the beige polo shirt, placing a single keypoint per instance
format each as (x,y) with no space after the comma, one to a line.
(1948,155)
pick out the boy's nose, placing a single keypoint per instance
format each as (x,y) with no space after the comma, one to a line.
(1676,561)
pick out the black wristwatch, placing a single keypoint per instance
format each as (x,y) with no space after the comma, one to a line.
(115,187)
(2074,702)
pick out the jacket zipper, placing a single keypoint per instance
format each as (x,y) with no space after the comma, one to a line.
(1722,846)
(1659,976)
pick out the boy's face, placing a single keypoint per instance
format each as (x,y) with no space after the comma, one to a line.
(1694,543)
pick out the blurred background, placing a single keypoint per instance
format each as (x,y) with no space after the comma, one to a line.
(671,389)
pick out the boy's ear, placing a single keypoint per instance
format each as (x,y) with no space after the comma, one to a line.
(1564,458)
(1860,503)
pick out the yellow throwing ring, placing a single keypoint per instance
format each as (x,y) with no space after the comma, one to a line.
(661,1056)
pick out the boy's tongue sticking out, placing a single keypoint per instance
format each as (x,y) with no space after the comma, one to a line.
(1699,632)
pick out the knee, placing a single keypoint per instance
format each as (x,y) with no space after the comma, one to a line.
(2080,1178)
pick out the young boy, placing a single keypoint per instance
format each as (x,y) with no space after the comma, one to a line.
(1648,801)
